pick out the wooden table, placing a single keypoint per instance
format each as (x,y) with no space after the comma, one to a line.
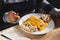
(52,35)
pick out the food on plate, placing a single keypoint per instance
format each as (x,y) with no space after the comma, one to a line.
(46,17)
(34,24)
(28,27)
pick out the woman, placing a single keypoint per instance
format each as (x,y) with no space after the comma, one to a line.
(21,7)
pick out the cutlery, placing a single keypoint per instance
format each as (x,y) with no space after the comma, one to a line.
(5,37)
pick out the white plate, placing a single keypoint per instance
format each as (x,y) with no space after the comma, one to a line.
(49,28)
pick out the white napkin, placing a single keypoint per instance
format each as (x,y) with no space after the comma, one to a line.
(13,34)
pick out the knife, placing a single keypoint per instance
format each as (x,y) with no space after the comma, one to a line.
(5,37)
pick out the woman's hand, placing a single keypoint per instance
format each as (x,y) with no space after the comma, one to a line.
(13,16)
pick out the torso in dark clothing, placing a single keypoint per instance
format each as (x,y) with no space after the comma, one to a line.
(21,7)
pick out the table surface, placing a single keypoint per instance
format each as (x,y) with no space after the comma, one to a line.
(52,35)
(13,34)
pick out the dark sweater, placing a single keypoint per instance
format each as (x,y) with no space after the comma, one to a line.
(22,8)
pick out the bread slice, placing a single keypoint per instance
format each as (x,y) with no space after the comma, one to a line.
(46,17)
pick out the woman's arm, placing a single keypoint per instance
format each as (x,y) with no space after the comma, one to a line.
(48,8)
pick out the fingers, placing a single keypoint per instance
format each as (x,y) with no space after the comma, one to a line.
(17,14)
(13,12)
(13,16)
(16,17)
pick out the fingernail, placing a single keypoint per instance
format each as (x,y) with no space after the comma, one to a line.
(15,13)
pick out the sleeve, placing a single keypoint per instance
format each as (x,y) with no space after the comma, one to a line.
(48,8)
